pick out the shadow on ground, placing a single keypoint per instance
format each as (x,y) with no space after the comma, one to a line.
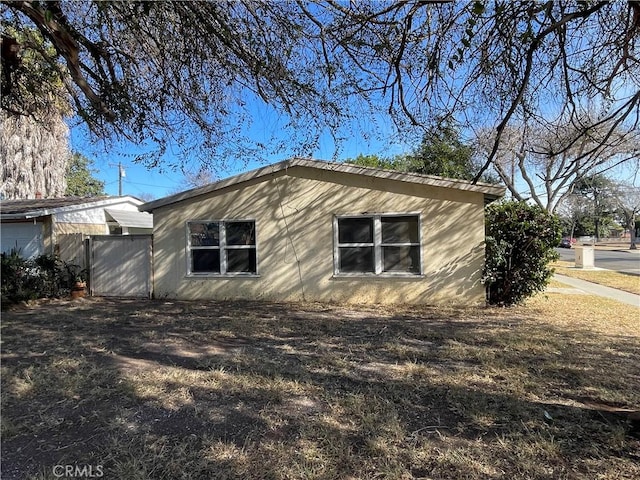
(159,389)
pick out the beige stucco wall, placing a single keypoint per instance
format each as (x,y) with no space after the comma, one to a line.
(86,228)
(294,213)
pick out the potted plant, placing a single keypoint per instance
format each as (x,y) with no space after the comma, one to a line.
(79,287)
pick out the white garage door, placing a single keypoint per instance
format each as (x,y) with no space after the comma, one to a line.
(27,237)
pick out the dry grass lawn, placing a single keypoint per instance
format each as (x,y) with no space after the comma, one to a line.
(202,390)
(622,281)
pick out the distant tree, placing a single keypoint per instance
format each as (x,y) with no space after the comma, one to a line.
(442,153)
(547,163)
(195,178)
(375,161)
(199,178)
(571,210)
(80,179)
(627,202)
(146,196)
(585,225)
(598,194)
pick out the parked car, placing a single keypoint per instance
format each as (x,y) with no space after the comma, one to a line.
(565,243)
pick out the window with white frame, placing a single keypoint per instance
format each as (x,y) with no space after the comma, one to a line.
(222,247)
(377,244)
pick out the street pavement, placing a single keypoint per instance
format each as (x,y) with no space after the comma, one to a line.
(623,260)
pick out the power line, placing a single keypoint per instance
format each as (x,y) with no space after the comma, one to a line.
(148,185)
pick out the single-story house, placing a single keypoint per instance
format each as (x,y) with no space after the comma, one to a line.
(321,231)
(34,225)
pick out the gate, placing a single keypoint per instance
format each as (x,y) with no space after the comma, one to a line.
(71,248)
(120,265)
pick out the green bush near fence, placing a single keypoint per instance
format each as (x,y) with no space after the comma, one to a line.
(45,276)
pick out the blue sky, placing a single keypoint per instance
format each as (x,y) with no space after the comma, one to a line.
(152,183)
(362,137)
(146,183)
(139,180)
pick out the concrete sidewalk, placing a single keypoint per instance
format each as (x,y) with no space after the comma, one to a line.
(612,248)
(595,289)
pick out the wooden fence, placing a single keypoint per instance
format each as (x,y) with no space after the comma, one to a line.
(71,248)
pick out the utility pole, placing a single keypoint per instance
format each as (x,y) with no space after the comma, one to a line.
(121,175)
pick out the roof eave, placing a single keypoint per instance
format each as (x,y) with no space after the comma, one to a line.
(428,180)
(21,216)
(43,212)
(212,187)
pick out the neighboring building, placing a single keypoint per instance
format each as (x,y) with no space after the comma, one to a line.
(320,231)
(34,225)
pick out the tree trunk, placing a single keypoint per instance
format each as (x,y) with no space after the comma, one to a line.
(34,157)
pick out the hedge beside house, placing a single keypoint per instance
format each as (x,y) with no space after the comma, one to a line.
(520,244)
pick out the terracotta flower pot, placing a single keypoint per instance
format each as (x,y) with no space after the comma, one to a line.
(78,290)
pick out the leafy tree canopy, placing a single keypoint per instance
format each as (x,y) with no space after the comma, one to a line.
(80,179)
(188,74)
(376,161)
(442,153)
(31,81)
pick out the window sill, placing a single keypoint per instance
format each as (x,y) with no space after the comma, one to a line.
(220,275)
(400,276)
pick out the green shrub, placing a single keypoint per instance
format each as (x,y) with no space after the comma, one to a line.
(16,278)
(45,276)
(520,244)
